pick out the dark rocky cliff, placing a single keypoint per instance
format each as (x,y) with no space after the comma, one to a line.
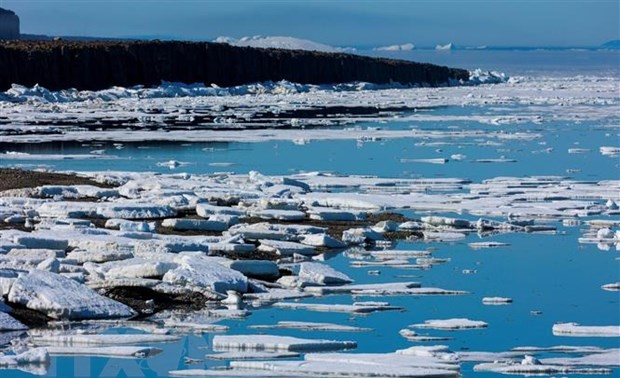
(9,24)
(99,65)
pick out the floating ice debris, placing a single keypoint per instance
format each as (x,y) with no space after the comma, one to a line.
(497,160)
(574,329)
(481,245)
(357,308)
(14,155)
(579,150)
(205,210)
(330,214)
(496,300)
(311,326)
(250,355)
(414,336)
(443,236)
(206,273)
(284,248)
(8,323)
(96,339)
(137,268)
(531,366)
(322,274)
(172,164)
(29,357)
(277,343)
(451,324)
(322,240)
(114,352)
(377,289)
(611,286)
(284,215)
(194,224)
(136,211)
(607,357)
(430,160)
(560,349)
(610,151)
(62,298)
(274,295)
(127,225)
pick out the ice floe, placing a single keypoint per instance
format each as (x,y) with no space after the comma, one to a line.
(574,329)
(62,298)
(277,343)
(451,324)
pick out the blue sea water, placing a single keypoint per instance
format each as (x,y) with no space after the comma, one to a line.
(552,278)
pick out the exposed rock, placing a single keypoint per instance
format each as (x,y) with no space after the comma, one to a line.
(99,65)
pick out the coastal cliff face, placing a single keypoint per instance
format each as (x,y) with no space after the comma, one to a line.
(99,65)
(9,24)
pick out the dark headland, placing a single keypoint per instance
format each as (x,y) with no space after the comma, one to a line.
(95,65)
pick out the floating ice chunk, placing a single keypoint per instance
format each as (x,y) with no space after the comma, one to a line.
(311,326)
(610,151)
(98,339)
(451,324)
(322,240)
(126,225)
(526,367)
(205,210)
(322,274)
(135,211)
(29,357)
(114,352)
(359,308)
(284,215)
(194,224)
(609,357)
(204,272)
(444,221)
(62,298)
(490,244)
(430,161)
(284,248)
(443,236)
(611,286)
(496,300)
(137,268)
(36,254)
(414,336)
(574,329)
(277,343)
(360,235)
(330,214)
(274,231)
(274,295)
(8,323)
(40,242)
(249,355)
(377,289)
(579,150)
(82,256)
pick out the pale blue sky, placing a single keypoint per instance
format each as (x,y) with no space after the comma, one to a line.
(339,23)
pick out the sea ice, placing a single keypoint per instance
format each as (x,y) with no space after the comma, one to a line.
(62,298)
(8,323)
(574,329)
(322,274)
(451,324)
(277,343)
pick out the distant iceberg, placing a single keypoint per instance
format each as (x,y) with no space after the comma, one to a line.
(447,47)
(403,47)
(281,42)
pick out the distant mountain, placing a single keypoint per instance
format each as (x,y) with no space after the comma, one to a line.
(281,42)
(615,44)
(403,47)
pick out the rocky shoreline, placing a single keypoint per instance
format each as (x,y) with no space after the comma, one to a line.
(98,65)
